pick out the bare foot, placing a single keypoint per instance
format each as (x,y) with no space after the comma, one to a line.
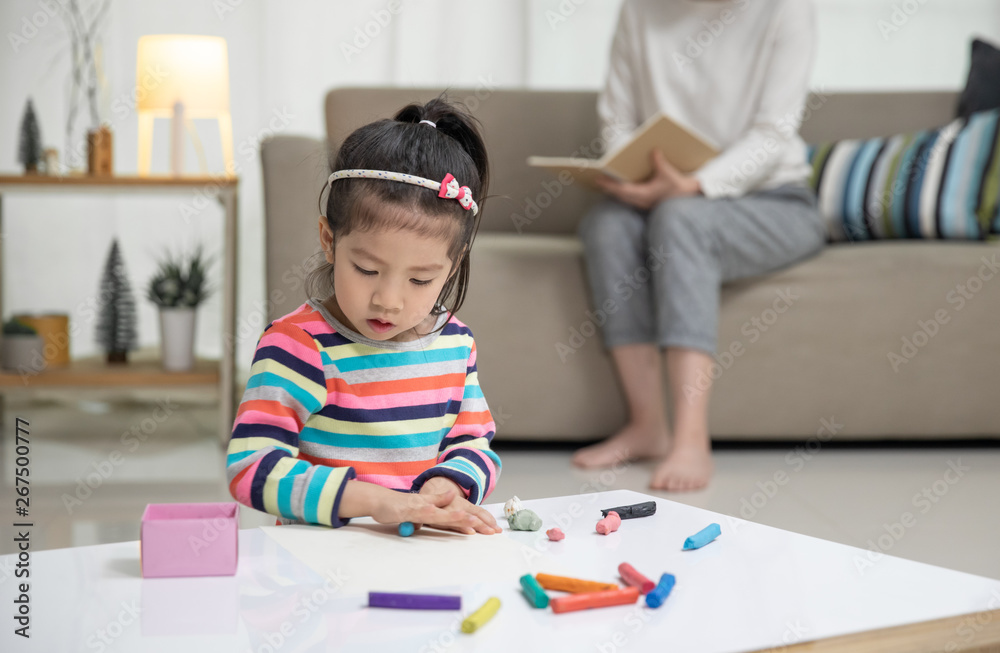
(634,442)
(687,467)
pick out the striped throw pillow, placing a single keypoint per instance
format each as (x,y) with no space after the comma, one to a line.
(940,183)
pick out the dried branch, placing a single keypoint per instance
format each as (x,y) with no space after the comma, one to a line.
(70,19)
(83,37)
(88,62)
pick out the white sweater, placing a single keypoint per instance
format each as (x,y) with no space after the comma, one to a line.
(734,71)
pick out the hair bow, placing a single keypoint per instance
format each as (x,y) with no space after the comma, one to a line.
(452,191)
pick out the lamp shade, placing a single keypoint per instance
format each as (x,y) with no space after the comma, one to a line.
(193,70)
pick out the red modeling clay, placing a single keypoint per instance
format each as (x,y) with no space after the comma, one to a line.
(609,524)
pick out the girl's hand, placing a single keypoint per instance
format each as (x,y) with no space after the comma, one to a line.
(481,521)
(434,509)
(665,183)
(361,499)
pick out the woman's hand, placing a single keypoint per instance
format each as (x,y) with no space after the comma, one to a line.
(481,521)
(665,183)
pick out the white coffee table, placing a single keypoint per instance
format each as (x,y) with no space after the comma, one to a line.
(754,588)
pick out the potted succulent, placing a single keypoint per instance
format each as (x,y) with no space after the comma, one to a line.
(178,287)
(22,347)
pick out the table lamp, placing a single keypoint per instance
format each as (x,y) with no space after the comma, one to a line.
(182,77)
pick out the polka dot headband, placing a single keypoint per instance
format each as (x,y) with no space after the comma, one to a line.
(448,188)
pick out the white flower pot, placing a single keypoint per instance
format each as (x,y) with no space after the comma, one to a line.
(23,353)
(177,338)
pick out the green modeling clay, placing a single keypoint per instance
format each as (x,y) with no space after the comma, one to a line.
(524,520)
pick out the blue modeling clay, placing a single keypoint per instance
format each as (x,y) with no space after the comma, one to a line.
(702,537)
(406,529)
(662,590)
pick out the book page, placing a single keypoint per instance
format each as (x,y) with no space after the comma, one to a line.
(372,557)
(684,149)
(631,161)
(584,171)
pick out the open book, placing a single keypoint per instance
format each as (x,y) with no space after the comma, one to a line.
(630,161)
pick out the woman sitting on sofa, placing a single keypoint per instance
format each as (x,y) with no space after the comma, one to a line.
(736,72)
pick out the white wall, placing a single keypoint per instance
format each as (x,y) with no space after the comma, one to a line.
(900,44)
(285,55)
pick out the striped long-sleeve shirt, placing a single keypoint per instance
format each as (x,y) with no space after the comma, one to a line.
(325,405)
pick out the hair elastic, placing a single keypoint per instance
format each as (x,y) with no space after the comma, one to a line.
(448,188)
(428,122)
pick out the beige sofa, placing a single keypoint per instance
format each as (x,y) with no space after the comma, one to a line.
(822,364)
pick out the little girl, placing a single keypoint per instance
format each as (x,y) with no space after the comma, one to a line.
(366,400)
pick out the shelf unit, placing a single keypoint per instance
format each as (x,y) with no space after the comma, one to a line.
(94,372)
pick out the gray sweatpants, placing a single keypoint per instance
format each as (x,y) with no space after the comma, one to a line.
(656,274)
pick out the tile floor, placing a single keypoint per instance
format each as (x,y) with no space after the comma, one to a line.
(857,496)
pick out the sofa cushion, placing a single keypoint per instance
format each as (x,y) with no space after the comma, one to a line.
(922,366)
(982,88)
(891,339)
(541,363)
(934,183)
(516,124)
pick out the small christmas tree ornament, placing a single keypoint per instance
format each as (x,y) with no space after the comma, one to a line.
(116,326)
(29,151)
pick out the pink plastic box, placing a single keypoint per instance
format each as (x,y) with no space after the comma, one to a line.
(189,539)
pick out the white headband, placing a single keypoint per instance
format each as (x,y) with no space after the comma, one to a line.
(447,188)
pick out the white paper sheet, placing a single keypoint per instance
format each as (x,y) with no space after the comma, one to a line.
(372,557)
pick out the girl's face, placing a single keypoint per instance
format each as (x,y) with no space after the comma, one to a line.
(386,283)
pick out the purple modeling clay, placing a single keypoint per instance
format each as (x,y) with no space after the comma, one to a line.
(414,601)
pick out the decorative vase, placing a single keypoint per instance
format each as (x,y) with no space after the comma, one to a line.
(99,152)
(23,353)
(177,338)
(53,328)
(50,156)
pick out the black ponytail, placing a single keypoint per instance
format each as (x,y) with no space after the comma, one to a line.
(406,145)
(459,125)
